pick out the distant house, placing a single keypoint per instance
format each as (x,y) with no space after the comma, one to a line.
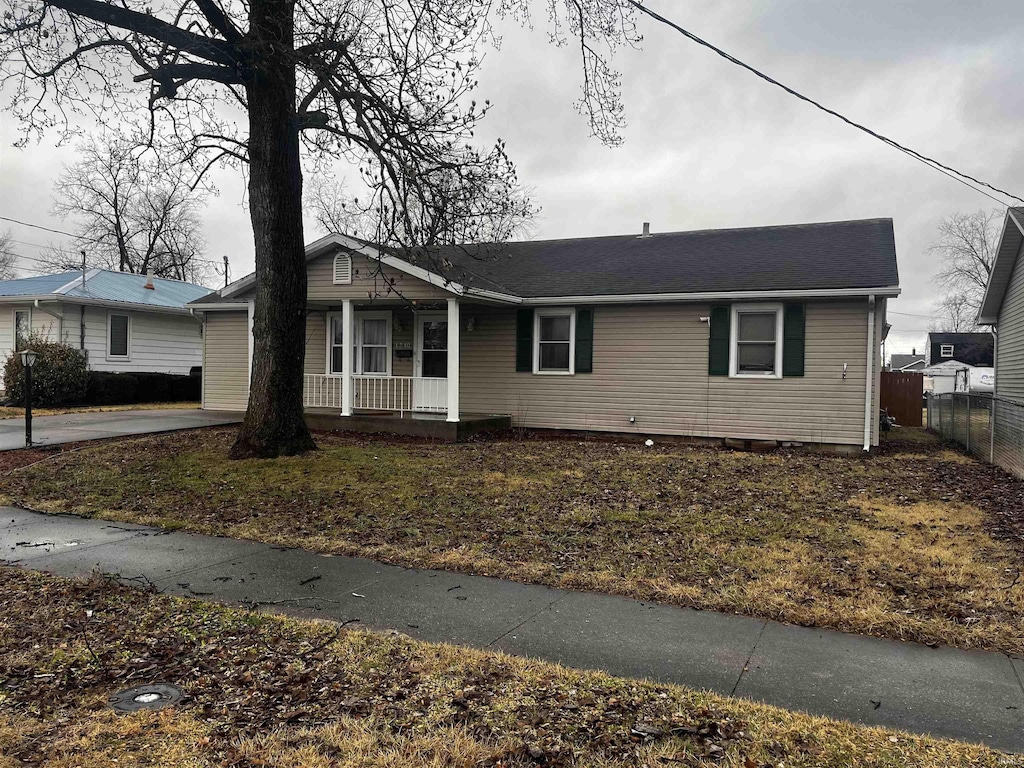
(974,349)
(907,363)
(123,322)
(760,333)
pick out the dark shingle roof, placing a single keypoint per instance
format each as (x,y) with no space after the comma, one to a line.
(842,254)
(902,361)
(797,257)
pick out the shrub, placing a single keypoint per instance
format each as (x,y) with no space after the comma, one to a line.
(59,376)
(153,387)
(186,389)
(112,388)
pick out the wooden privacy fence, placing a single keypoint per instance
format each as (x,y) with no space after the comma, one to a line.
(902,395)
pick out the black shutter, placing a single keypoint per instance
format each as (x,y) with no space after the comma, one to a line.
(524,340)
(718,343)
(584,341)
(793,340)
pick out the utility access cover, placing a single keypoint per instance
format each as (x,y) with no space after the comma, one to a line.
(156,696)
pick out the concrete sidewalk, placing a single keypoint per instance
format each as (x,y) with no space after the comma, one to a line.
(969,695)
(96,425)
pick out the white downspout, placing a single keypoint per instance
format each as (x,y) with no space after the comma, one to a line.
(869,401)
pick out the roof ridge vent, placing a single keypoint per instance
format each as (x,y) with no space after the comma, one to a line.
(647,229)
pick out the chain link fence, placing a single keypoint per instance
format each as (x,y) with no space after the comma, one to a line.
(991,428)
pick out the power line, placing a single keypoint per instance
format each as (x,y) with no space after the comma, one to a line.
(908,314)
(72,235)
(953,173)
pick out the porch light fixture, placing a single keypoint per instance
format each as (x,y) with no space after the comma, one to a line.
(156,696)
(28,359)
(471,324)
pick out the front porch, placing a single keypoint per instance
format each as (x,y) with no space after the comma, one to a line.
(388,366)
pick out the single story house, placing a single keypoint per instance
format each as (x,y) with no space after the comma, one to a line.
(907,363)
(973,349)
(123,322)
(757,334)
(1002,307)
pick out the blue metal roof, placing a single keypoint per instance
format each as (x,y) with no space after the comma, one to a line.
(36,286)
(106,285)
(125,286)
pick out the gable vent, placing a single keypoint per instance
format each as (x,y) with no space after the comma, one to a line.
(342,269)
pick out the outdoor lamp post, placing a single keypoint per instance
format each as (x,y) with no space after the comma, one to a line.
(28,359)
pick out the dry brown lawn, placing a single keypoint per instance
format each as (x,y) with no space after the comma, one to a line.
(270,691)
(8,412)
(913,543)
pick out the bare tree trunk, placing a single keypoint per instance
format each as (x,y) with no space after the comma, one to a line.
(274,423)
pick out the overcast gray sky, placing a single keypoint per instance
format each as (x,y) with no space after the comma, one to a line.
(709,145)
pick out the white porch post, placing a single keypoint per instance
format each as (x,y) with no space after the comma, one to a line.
(453,360)
(347,340)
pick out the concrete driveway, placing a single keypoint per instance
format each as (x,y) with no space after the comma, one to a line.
(69,428)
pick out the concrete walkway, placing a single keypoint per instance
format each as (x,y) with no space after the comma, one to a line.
(71,427)
(967,695)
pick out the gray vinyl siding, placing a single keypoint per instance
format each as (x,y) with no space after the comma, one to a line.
(368,280)
(651,362)
(1010,343)
(226,361)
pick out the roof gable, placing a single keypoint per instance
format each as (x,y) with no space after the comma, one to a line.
(1010,243)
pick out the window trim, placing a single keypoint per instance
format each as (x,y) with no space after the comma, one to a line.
(329,338)
(128,337)
(943,348)
(14,327)
(357,320)
(569,312)
(734,332)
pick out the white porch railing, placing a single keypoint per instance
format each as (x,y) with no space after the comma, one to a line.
(378,393)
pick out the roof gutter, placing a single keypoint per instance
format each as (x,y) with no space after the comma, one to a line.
(869,401)
(90,302)
(624,298)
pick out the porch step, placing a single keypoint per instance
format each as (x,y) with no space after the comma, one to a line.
(435,428)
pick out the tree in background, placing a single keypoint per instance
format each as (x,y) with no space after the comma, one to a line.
(966,247)
(131,211)
(8,256)
(385,86)
(956,314)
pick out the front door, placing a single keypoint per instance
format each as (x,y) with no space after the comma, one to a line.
(429,394)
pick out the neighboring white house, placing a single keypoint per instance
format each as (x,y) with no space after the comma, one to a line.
(954,376)
(124,322)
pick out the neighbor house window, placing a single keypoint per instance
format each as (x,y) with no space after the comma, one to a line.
(22,328)
(373,344)
(554,331)
(118,335)
(946,350)
(756,343)
(335,350)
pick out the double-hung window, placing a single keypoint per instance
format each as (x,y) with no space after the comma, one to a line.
(555,332)
(373,344)
(945,350)
(22,328)
(335,350)
(756,343)
(118,336)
